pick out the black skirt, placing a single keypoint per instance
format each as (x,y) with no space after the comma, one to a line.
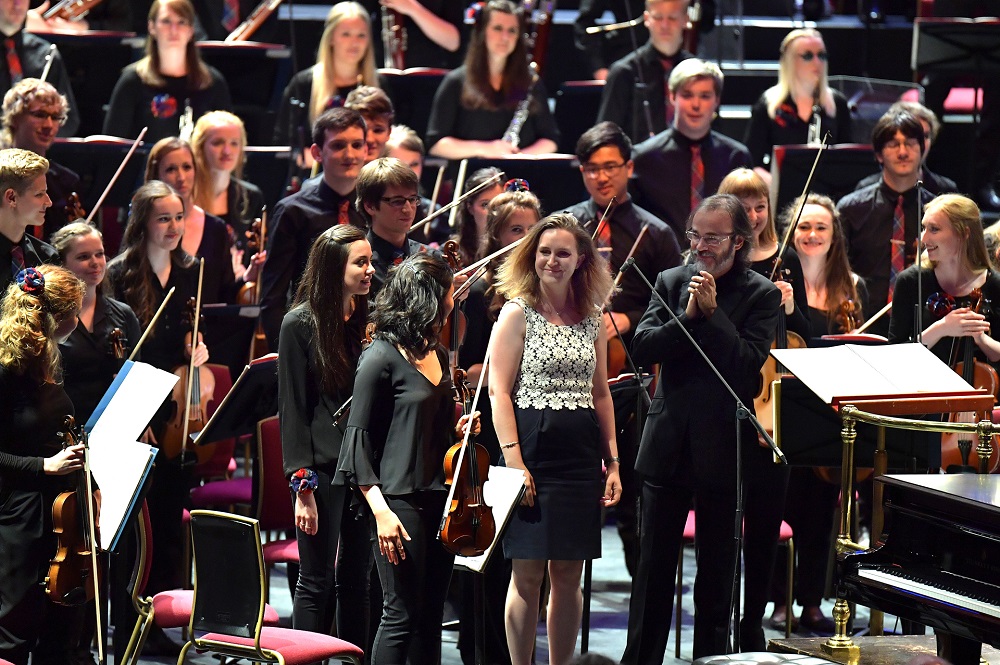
(561,450)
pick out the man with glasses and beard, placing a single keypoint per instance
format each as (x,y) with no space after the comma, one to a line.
(689,445)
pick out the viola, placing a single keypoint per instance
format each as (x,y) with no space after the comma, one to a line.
(958,450)
(784,339)
(191,395)
(71,579)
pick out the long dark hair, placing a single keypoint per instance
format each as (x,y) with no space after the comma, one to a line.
(516,81)
(408,311)
(321,292)
(136,282)
(468,234)
(148,68)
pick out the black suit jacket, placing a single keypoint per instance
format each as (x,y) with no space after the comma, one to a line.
(692,414)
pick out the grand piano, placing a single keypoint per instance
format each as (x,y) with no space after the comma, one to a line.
(938,562)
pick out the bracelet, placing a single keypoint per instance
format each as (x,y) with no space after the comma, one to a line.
(612,460)
(304,481)
(505,446)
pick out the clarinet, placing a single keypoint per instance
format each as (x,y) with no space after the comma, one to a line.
(513,133)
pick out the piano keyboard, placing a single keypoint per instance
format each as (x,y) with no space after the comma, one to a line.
(959,594)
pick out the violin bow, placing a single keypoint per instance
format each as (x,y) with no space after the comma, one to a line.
(49,57)
(121,167)
(152,322)
(875,317)
(472,267)
(457,201)
(92,533)
(194,345)
(631,253)
(437,184)
(459,184)
(465,438)
(802,204)
(604,217)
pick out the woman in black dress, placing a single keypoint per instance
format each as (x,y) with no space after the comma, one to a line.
(553,415)
(39,310)
(472,212)
(319,346)
(782,114)
(401,425)
(150,263)
(475,104)
(91,353)
(155,91)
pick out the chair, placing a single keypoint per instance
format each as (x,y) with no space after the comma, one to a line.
(229,492)
(273,505)
(784,536)
(167,609)
(228,611)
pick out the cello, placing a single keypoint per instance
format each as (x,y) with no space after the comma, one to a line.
(958,449)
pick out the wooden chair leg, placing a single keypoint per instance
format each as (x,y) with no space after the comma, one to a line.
(788,584)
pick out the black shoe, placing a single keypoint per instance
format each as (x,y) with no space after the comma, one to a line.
(779,618)
(815,622)
(158,644)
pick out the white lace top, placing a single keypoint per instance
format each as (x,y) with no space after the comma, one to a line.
(558,363)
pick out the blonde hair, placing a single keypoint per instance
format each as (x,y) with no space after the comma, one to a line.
(963,215)
(28,324)
(19,168)
(19,98)
(591,285)
(323,85)
(744,183)
(203,194)
(777,94)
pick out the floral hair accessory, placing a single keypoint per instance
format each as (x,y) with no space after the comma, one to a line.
(516,185)
(31,281)
(304,481)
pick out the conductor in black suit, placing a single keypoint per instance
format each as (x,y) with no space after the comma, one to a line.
(689,446)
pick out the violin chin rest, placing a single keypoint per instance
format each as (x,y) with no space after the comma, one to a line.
(73,598)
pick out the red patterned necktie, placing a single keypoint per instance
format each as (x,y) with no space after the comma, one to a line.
(16,259)
(342,215)
(697,176)
(898,244)
(230,14)
(13,62)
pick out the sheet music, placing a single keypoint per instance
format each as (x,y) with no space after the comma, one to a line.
(119,462)
(852,370)
(502,493)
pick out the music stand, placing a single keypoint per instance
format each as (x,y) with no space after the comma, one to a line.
(254,397)
(840,169)
(554,178)
(868,99)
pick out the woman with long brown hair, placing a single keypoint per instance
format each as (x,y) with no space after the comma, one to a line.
(156,91)
(475,104)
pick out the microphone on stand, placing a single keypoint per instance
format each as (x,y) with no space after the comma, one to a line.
(742,412)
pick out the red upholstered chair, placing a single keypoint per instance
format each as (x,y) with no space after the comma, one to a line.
(228,617)
(272,500)
(229,492)
(167,609)
(784,536)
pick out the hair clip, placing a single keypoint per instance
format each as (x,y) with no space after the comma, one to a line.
(516,185)
(32,282)
(474,11)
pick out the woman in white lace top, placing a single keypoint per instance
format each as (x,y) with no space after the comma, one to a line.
(553,415)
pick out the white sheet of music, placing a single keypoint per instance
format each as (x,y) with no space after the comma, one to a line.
(118,460)
(851,370)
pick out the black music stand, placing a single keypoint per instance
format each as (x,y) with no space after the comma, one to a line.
(95,159)
(839,171)
(555,179)
(253,397)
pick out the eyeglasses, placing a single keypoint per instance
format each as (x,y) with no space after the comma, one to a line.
(400,201)
(710,240)
(593,170)
(42,115)
(516,185)
(911,144)
(809,55)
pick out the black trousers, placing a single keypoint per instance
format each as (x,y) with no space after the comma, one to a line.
(414,590)
(333,568)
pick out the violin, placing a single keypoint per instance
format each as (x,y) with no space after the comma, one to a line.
(117,340)
(454,328)
(71,579)
(250,291)
(190,396)
(467,526)
(74,207)
(848,316)
(958,450)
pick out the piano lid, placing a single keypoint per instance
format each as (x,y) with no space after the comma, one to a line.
(982,491)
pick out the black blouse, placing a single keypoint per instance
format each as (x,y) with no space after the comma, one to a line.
(904,298)
(401,425)
(787,128)
(89,362)
(309,436)
(798,321)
